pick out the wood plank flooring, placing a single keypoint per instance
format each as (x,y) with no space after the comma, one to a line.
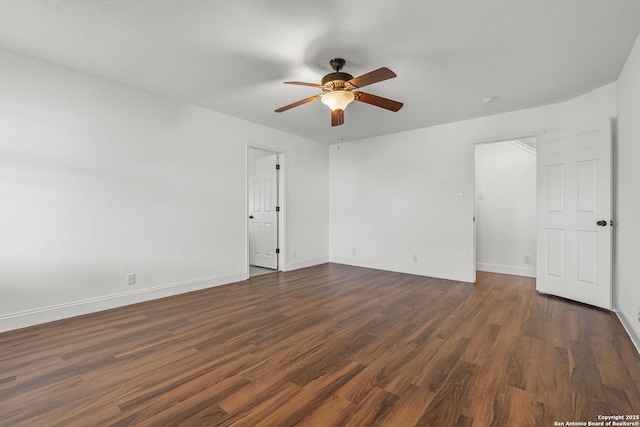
(330,345)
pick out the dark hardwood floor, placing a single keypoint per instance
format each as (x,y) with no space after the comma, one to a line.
(330,345)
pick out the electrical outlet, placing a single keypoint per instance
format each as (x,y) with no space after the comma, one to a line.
(131,279)
(353,251)
(639,313)
(527,259)
(415,257)
(293,254)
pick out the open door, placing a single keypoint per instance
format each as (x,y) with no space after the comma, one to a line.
(263,212)
(574,213)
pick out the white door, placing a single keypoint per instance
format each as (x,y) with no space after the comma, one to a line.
(574,213)
(263,217)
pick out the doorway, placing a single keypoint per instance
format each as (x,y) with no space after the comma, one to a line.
(505,206)
(264,210)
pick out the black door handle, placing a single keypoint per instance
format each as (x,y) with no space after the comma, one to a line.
(251,217)
(602,223)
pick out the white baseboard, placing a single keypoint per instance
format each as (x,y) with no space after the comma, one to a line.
(290,266)
(40,315)
(506,269)
(418,270)
(627,319)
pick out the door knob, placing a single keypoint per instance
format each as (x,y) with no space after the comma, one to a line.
(602,223)
(251,217)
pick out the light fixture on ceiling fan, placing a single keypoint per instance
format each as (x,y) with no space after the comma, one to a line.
(338,99)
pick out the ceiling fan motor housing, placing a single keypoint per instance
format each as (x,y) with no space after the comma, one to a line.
(336,81)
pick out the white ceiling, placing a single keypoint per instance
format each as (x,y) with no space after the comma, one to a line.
(232,56)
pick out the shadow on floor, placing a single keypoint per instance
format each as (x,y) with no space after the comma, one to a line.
(257,271)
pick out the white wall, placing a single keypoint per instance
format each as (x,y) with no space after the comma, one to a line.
(397,195)
(99,180)
(627,230)
(505,208)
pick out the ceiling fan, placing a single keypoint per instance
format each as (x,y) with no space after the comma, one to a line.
(341,88)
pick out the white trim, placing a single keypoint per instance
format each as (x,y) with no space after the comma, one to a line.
(305,263)
(524,147)
(509,137)
(282,216)
(404,268)
(40,315)
(507,269)
(629,325)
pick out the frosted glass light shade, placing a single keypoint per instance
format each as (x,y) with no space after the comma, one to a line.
(337,100)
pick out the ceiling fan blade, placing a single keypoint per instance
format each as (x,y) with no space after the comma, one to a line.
(303,84)
(378,101)
(295,104)
(374,76)
(337,117)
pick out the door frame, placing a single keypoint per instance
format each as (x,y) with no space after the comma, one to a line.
(281,187)
(530,134)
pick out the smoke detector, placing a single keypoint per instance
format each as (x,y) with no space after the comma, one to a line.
(487,100)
